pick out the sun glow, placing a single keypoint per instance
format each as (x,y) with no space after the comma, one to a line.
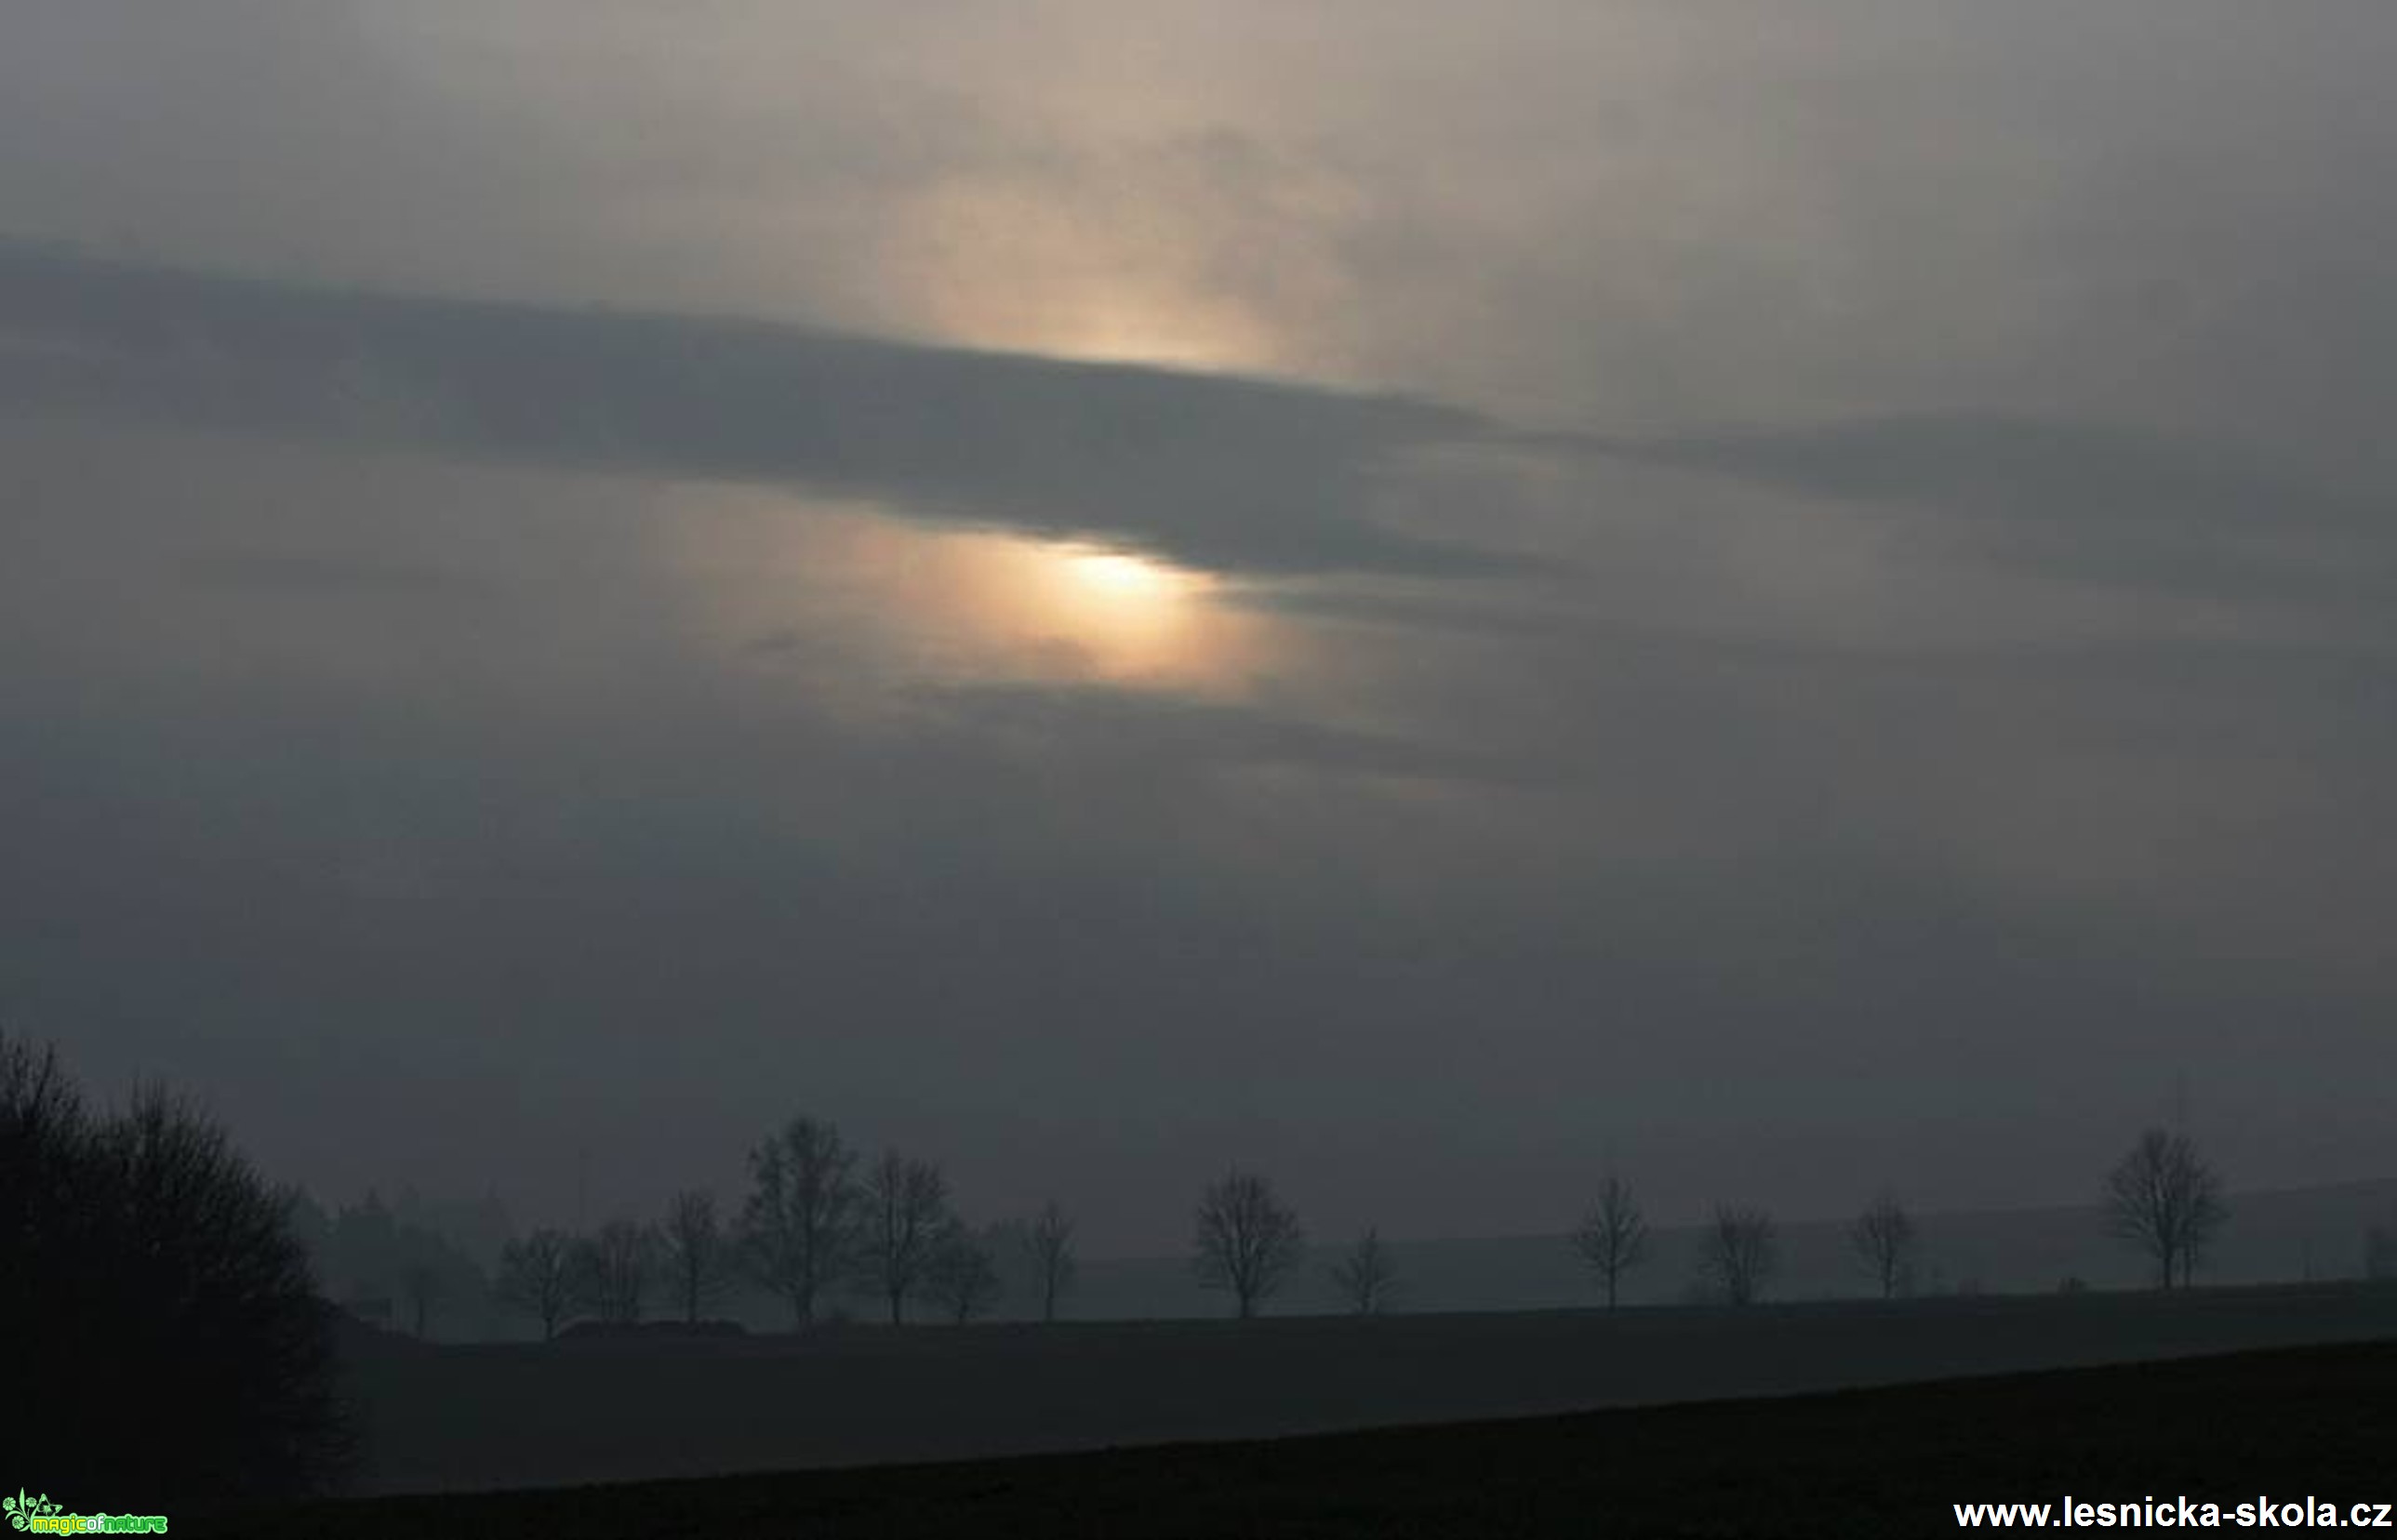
(1115,576)
(1128,612)
(1087,277)
(795,585)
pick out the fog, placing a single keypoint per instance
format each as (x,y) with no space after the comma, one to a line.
(1784,599)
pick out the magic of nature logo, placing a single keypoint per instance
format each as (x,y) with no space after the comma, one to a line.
(43,1514)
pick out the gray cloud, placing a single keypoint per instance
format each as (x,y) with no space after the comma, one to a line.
(2085,499)
(1229,474)
(274,573)
(2016,468)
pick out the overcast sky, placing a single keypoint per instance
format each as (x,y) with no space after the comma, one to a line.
(1792,596)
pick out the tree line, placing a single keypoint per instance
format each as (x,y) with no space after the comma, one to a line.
(818,1221)
(2164,1198)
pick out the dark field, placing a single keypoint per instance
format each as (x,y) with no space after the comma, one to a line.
(2289,1424)
(464,1418)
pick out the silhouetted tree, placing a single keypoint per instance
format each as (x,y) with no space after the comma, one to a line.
(963,1276)
(614,1268)
(1247,1239)
(1883,1239)
(1366,1276)
(907,1213)
(696,1258)
(1048,1245)
(1614,1235)
(166,1345)
(419,1284)
(2165,1199)
(537,1278)
(1738,1253)
(803,1227)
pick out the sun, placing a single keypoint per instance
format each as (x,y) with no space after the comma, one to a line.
(1116,576)
(1128,613)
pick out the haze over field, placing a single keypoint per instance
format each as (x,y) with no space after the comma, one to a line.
(1427,598)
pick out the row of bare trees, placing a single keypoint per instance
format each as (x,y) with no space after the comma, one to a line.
(1249,1242)
(813,1224)
(1738,1251)
(613,1273)
(2162,1197)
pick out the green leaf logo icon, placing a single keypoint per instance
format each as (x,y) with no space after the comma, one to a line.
(22,1510)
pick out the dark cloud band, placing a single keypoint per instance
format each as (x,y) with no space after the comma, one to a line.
(1232,474)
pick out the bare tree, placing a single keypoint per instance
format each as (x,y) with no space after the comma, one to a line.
(907,1213)
(1366,1276)
(696,1258)
(615,1267)
(1614,1235)
(140,1248)
(963,1275)
(537,1278)
(1885,1239)
(1048,1244)
(803,1226)
(2165,1199)
(1247,1239)
(1738,1253)
(419,1284)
